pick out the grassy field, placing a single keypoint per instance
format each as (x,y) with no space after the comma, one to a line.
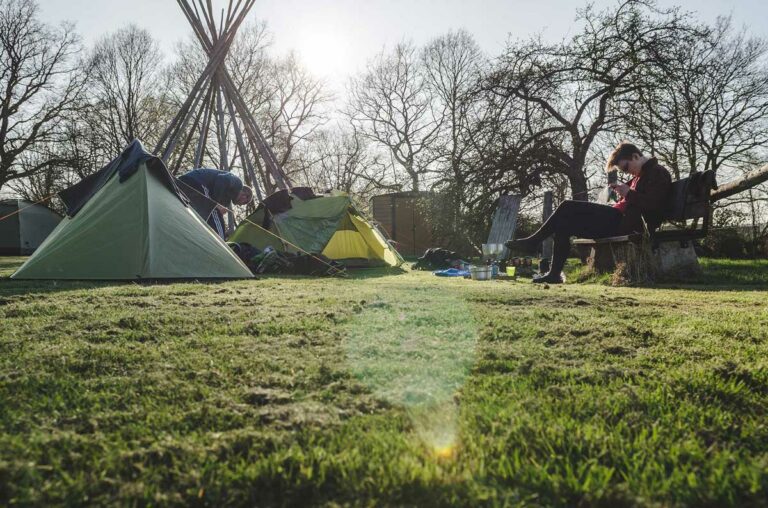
(385,388)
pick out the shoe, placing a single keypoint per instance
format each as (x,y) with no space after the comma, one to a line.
(548,278)
(521,244)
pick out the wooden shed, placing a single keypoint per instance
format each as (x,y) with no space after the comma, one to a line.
(404,217)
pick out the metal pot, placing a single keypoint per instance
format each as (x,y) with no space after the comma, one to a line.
(480,272)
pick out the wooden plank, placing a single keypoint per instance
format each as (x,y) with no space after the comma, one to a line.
(610,239)
(505,220)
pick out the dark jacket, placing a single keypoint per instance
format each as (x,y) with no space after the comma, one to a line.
(648,200)
(222,187)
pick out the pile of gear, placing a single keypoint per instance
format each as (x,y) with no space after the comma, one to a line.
(437,258)
(268,260)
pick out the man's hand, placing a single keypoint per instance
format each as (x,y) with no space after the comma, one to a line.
(223,209)
(621,189)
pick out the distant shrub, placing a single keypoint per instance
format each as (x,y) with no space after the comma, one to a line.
(726,243)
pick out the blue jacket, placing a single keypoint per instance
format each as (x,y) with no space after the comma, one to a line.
(222,186)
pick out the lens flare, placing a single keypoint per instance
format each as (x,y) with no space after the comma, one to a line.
(414,347)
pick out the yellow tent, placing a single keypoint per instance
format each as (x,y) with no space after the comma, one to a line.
(327,224)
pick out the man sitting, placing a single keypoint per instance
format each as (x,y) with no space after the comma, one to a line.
(221,188)
(642,198)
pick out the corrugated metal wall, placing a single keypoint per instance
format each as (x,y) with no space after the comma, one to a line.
(403,217)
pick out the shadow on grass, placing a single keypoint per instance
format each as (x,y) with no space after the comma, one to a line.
(351,273)
(723,275)
(14,287)
(11,287)
(373,273)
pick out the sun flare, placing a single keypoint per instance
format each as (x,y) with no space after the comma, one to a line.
(325,51)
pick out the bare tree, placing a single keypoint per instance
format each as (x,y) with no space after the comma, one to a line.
(453,65)
(706,103)
(127,91)
(392,105)
(341,159)
(41,81)
(575,84)
(294,107)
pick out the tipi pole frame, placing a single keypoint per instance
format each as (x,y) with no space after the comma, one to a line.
(249,124)
(216,56)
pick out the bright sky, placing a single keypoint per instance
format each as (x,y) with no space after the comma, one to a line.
(334,38)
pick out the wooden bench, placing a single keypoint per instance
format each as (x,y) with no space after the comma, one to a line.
(666,251)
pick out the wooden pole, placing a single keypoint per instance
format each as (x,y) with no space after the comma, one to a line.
(222,134)
(216,55)
(258,138)
(188,140)
(244,159)
(249,124)
(547,245)
(180,128)
(200,149)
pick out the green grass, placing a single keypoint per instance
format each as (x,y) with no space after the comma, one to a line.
(385,389)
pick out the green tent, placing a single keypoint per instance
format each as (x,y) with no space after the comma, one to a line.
(327,224)
(25,226)
(130,221)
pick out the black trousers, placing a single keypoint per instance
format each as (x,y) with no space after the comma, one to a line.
(577,218)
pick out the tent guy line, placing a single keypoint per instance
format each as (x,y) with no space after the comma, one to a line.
(336,271)
(47,198)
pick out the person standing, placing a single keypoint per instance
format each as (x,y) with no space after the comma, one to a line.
(642,199)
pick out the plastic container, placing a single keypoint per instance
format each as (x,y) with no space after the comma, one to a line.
(480,272)
(511,271)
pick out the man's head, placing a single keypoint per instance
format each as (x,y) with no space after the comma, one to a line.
(245,196)
(627,157)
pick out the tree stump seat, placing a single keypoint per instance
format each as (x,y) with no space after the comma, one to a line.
(605,253)
(636,259)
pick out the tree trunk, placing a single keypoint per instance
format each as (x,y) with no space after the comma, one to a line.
(636,263)
(414,182)
(579,188)
(753,178)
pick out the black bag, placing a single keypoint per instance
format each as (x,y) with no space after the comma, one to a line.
(436,258)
